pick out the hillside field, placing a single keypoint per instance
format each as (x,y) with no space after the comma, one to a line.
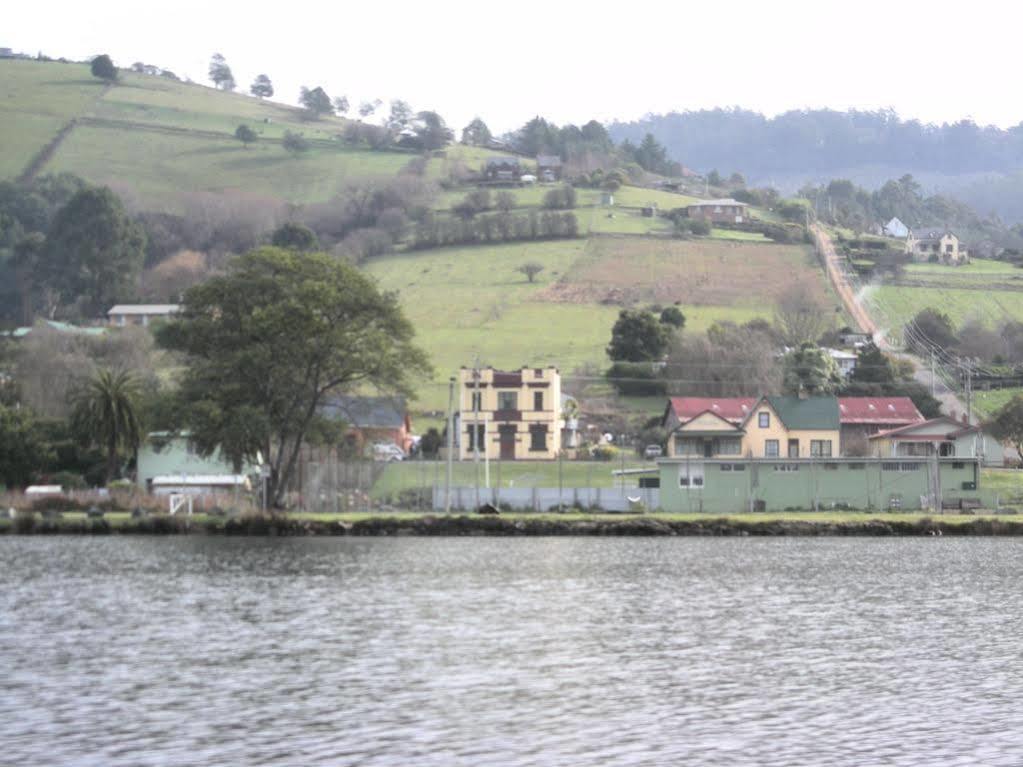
(991,291)
(469,302)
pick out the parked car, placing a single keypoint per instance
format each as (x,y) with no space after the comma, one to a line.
(652,451)
(387,451)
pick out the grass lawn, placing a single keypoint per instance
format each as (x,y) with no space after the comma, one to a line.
(165,167)
(988,402)
(731,234)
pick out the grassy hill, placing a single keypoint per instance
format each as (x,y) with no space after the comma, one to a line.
(155,141)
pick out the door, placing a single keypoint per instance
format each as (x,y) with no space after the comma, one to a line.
(793,448)
(506,435)
(708,448)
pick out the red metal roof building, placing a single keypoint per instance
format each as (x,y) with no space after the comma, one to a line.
(875,414)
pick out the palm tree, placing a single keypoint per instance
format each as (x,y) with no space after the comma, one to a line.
(106,413)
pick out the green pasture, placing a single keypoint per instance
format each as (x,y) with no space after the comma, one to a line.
(987,403)
(900,303)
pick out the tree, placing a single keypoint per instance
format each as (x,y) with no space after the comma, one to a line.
(262,87)
(94,252)
(341,105)
(103,68)
(714,178)
(504,201)
(316,102)
(800,317)
(1007,423)
(673,316)
(367,108)
(220,73)
(105,413)
(246,135)
(476,133)
(810,370)
(23,448)
(270,340)
(400,116)
(292,236)
(295,143)
(930,329)
(872,366)
(431,131)
(530,269)
(638,336)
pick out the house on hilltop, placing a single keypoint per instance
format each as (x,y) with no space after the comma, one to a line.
(895,228)
(502,170)
(122,315)
(935,244)
(548,167)
(725,211)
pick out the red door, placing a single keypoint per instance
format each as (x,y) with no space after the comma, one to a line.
(506,435)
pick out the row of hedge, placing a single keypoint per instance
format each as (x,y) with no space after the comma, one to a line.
(437,231)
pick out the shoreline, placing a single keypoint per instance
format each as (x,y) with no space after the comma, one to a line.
(463,525)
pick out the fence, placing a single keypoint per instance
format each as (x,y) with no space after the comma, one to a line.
(549,498)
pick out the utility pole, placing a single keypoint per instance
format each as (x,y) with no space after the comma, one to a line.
(476,427)
(451,443)
(934,383)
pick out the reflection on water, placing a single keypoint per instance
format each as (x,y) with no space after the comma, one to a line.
(557,651)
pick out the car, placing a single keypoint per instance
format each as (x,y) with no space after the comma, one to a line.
(652,451)
(387,451)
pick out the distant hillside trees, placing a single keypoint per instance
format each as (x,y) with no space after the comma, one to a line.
(649,155)
(431,132)
(220,73)
(367,108)
(262,87)
(400,116)
(476,133)
(638,336)
(435,231)
(246,135)
(799,316)
(530,269)
(293,236)
(103,67)
(341,105)
(561,198)
(316,102)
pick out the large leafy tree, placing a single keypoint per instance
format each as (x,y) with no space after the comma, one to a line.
(23,447)
(316,101)
(1007,423)
(94,252)
(103,67)
(476,133)
(810,370)
(268,341)
(105,413)
(262,87)
(220,73)
(638,336)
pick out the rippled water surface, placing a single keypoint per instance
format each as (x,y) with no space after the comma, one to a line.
(560,651)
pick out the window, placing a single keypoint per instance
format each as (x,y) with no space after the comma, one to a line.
(910,466)
(793,448)
(889,467)
(477,401)
(857,466)
(726,467)
(690,476)
(770,446)
(787,467)
(831,467)
(480,436)
(538,438)
(687,446)
(739,467)
(729,446)
(820,448)
(507,400)
(764,420)
(538,400)
(958,465)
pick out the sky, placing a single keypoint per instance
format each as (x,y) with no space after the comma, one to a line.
(570,62)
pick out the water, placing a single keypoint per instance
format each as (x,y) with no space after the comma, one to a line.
(561,651)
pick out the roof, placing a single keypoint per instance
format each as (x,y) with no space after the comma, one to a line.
(60,327)
(503,161)
(367,412)
(930,232)
(551,160)
(144,309)
(879,410)
(732,409)
(956,429)
(809,413)
(707,203)
(199,480)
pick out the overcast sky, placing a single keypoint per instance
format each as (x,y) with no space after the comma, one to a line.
(570,62)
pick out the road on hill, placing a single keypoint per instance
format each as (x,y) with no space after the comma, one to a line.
(950,401)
